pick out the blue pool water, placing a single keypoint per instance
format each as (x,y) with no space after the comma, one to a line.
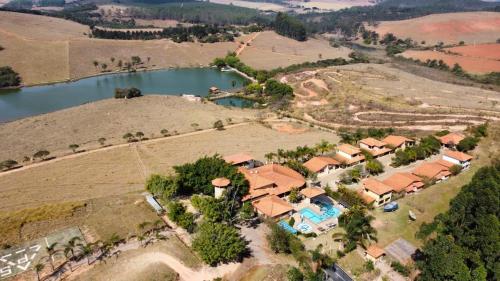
(287,227)
(304,227)
(328,211)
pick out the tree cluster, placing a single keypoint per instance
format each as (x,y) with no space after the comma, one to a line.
(289,26)
(466,241)
(8,77)
(354,137)
(427,146)
(127,93)
(358,229)
(178,214)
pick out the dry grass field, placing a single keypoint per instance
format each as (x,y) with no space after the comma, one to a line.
(333,5)
(479,59)
(104,185)
(357,94)
(111,119)
(44,49)
(470,27)
(253,5)
(270,50)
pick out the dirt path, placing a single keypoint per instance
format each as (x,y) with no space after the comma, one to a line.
(244,45)
(29,166)
(450,117)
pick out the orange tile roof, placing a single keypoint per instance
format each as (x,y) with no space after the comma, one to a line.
(453,138)
(372,142)
(348,161)
(402,181)
(377,152)
(375,251)
(396,141)
(238,158)
(318,163)
(272,206)
(445,163)
(220,182)
(311,192)
(349,149)
(458,155)
(271,179)
(376,186)
(365,197)
(431,170)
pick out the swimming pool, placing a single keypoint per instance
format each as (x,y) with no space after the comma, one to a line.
(329,211)
(287,227)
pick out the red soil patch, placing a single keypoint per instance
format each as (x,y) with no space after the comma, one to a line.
(289,128)
(469,64)
(472,27)
(487,51)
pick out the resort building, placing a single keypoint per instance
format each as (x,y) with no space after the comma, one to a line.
(376,191)
(272,207)
(322,165)
(374,253)
(457,158)
(375,147)
(310,193)
(404,182)
(349,155)
(271,179)
(241,160)
(398,142)
(433,171)
(451,139)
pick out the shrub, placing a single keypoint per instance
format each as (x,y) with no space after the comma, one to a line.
(8,164)
(127,93)
(294,274)
(468,143)
(294,196)
(369,266)
(219,125)
(374,167)
(291,222)
(178,214)
(8,77)
(455,169)
(403,270)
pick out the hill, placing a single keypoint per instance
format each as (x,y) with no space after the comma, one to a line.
(451,28)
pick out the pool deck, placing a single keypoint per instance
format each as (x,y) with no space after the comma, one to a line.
(322,226)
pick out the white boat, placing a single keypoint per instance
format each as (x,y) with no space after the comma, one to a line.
(412,215)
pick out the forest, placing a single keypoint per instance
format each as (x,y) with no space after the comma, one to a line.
(8,77)
(465,240)
(289,26)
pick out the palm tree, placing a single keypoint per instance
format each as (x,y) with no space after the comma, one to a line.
(141,238)
(51,251)
(69,249)
(86,251)
(101,141)
(156,225)
(115,239)
(142,226)
(270,157)
(280,155)
(324,146)
(38,268)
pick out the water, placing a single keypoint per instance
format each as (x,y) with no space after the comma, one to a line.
(30,101)
(329,211)
(235,101)
(287,227)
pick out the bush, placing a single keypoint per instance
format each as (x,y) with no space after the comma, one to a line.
(127,93)
(455,169)
(216,243)
(291,222)
(162,186)
(374,167)
(403,270)
(8,164)
(369,266)
(468,143)
(294,274)
(178,214)
(219,125)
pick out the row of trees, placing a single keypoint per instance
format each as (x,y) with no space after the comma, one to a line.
(202,33)
(426,147)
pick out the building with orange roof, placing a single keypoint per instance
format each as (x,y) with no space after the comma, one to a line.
(433,171)
(349,155)
(375,147)
(398,142)
(404,182)
(451,139)
(311,192)
(374,252)
(271,179)
(241,160)
(220,185)
(272,207)
(322,165)
(379,191)
(457,158)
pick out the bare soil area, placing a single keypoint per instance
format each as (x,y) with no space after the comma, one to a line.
(353,92)
(270,50)
(470,27)
(111,119)
(478,59)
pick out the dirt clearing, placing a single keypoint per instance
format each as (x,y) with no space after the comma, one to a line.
(470,27)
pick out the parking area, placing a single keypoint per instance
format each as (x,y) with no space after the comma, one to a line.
(21,258)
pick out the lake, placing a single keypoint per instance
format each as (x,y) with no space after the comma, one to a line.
(30,101)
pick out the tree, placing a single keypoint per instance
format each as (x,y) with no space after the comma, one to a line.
(41,154)
(112,59)
(104,66)
(8,164)
(270,157)
(164,132)
(128,136)
(253,88)
(195,126)
(294,274)
(468,143)
(101,141)
(455,169)
(127,93)
(163,186)
(358,229)
(289,26)
(324,146)
(139,135)
(216,243)
(247,212)
(73,147)
(178,214)
(374,167)
(51,251)
(38,268)
(294,196)
(86,250)
(96,63)
(219,125)
(8,77)
(219,62)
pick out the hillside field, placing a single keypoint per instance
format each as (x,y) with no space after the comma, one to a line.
(470,27)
